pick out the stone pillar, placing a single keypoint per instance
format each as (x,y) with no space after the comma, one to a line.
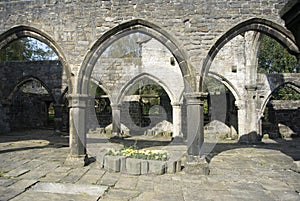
(251,130)
(177,129)
(195,117)
(58,117)
(78,129)
(241,116)
(116,119)
(196,162)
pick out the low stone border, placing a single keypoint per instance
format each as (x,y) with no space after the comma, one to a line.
(135,166)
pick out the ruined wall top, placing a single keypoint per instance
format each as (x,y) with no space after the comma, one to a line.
(73,27)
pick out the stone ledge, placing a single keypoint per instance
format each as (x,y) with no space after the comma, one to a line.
(296,166)
(76,161)
(196,165)
(135,166)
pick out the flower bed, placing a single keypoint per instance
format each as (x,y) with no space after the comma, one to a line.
(133,161)
(140,154)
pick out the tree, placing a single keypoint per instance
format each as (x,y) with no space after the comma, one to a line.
(27,49)
(286,93)
(274,58)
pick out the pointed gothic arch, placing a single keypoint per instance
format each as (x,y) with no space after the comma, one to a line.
(22,31)
(25,80)
(144,76)
(133,26)
(272,29)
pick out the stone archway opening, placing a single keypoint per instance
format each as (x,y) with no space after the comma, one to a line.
(235,57)
(131,59)
(146,109)
(220,112)
(101,106)
(29,108)
(155,54)
(32,83)
(278,69)
(281,114)
(142,82)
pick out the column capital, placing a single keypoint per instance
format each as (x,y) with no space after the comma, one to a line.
(78,100)
(58,105)
(176,104)
(251,87)
(239,104)
(195,98)
(115,106)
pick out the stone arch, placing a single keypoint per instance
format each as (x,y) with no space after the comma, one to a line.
(227,83)
(292,85)
(103,87)
(18,32)
(30,111)
(267,27)
(28,79)
(136,25)
(63,95)
(140,77)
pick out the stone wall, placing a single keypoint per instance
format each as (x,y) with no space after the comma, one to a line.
(285,115)
(122,76)
(26,110)
(49,73)
(29,111)
(76,25)
(197,33)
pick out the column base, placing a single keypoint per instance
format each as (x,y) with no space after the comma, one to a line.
(76,161)
(196,165)
(296,166)
(178,140)
(250,138)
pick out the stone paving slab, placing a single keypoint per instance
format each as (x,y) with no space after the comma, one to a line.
(72,189)
(42,196)
(237,172)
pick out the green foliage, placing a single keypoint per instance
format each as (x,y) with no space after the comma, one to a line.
(140,154)
(151,95)
(286,93)
(205,107)
(27,49)
(153,89)
(274,58)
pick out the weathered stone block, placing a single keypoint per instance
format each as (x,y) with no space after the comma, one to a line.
(100,158)
(296,166)
(178,166)
(112,163)
(196,165)
(133,166)
(144,167)
(171,167)
(157,167)
(76,161)
(123,164)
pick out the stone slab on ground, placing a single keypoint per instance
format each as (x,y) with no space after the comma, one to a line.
(238,172)
(72,189)
(42,196)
